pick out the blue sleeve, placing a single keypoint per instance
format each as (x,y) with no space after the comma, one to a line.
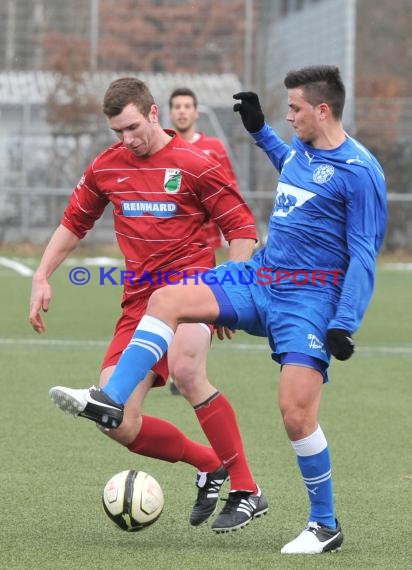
(366,223)
(273,145)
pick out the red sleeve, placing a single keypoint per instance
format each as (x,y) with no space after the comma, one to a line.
(222,156)
(85,206)
(225,204)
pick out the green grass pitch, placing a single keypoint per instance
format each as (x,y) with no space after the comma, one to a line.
(53,467)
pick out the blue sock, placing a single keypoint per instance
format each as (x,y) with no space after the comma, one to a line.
(314,462)
(150,341)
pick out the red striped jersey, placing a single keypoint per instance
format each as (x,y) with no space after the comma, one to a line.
(214,147)
(160,204)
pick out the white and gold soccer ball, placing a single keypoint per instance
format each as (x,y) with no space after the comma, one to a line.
(133,500)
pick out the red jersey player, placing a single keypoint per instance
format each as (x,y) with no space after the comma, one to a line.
(183,112)
(162,190)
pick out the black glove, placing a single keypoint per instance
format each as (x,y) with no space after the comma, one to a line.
(250,111)
(340,343)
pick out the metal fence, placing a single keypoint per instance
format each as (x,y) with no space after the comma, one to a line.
(30,215)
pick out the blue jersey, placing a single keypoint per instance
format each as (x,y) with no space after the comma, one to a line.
(329,214)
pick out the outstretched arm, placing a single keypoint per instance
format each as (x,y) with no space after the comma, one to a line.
(60,245)
(249,110)
(254,122)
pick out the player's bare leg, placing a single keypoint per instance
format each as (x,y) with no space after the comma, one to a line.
(300,390)
(190,302)
(188,364)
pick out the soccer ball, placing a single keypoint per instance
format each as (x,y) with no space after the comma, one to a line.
(133,500)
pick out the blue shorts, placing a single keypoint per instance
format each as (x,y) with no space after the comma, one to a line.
(293,319)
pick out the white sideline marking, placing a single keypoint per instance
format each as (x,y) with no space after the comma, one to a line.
(102,261)
(398,266)
(91,261)
(53,342)
(364,350)
(20,268)
(26,271)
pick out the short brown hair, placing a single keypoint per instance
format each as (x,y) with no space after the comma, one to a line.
(321,84)
(127,90)
(182,91)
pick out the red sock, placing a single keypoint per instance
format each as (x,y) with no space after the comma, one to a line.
(162,440)
(219,423)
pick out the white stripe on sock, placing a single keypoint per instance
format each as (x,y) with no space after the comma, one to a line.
(150,346)
(147,344)
(316,480)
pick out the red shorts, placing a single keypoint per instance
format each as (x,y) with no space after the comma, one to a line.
(125,327)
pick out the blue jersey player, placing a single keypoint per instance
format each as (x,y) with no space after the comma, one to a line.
(307,290)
